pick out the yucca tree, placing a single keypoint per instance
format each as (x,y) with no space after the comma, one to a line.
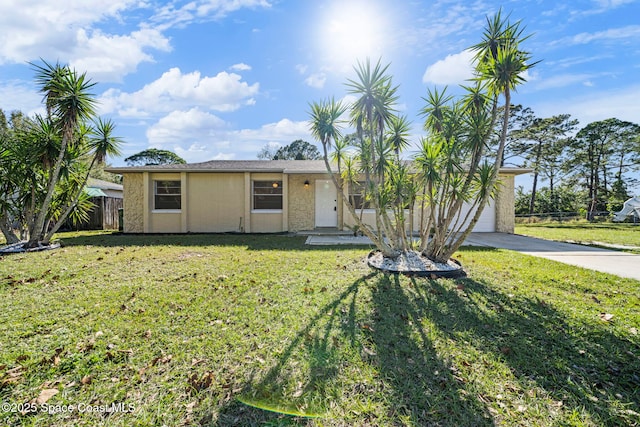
(69,103)
(451,167)
(99,143)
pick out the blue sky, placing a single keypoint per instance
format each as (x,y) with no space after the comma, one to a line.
(216,79)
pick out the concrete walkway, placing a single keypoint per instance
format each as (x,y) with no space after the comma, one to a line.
(604,260)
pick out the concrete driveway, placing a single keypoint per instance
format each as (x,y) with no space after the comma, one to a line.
(604,260)
(622,264)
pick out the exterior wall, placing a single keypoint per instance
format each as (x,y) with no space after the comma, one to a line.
(160,221)
(500,212)
(215,202)
(505,205)
(302,201)
(369,217)
(222,202)
(133,203)
(269,221)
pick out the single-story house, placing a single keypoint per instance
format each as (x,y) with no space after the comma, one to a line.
(256,196)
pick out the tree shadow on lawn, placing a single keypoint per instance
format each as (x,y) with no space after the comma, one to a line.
(278,241)
(372,368)
(584,368)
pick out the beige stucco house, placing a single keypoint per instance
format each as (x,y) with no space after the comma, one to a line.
(256,196)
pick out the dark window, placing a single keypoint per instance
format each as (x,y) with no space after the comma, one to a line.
(267,195)
(356,196)
(167,195)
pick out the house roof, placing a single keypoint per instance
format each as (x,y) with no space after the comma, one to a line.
(274,166)
(103,185)
(279,166)
(94,192)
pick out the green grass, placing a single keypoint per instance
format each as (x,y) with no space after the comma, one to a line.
(239,330)
(584,232)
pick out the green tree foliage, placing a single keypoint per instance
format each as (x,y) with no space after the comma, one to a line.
(600,155)
(297,150)
(451,167)
(542,143)
(154,156)
(46,160)
(564,199)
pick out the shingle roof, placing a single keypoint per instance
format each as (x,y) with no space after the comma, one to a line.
(103,185)
(276,166)
(280,166)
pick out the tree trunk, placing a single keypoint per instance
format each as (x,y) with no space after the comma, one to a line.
(36,230)
(7,230)
(534,187)
(49,234)
(457,242)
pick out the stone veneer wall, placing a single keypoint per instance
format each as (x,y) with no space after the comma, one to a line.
(133,203)
(302,202)
(505,205)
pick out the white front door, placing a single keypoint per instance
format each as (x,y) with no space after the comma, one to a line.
(326,204)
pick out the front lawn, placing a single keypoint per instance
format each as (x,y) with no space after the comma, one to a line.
(238,330)
(625,234)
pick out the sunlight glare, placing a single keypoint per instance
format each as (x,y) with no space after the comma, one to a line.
(353,31)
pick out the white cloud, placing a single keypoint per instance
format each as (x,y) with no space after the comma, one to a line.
(595,106)
(199,136)
(220,8)
(284,131)
(612,3)
(18,96)
(107,57)
(203,10)
(301,68)
(630,32)
(316,80)
(240,67)
(454,69)
(563,80)
(177,91)
(45,28)
(184,126)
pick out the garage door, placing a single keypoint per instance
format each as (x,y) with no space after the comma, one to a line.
(487,221)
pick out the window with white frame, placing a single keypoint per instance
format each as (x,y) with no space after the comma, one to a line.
(267,195)
(167,195)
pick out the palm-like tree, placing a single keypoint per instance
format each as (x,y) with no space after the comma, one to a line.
(397,135)
(100,143)
(69,102)
(450,168)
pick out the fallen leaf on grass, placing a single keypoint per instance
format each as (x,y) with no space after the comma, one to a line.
(299,391)
(54,359)
(368,351)
(607,317)
(195,362)
(86,380)
(198,383)
(12,376)
(45,395)
(161,359)
(505,350)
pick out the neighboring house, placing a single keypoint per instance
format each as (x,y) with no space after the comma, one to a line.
(257,196)
(107,198)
